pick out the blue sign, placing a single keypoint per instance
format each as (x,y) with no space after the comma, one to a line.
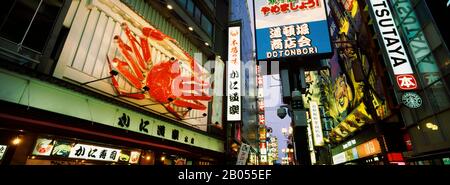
(291,28)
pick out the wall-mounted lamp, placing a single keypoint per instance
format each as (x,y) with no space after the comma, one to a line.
(17,140)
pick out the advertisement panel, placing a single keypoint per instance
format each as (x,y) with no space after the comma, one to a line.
(371,147)
(43,147)
(316,124)
(290,28)
(90,152)
(62,148)
(2,151)
(395,50)
(243,154)
(234,74)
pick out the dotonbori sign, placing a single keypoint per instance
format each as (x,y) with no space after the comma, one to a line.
(234,74)
(287,28)
(394,46)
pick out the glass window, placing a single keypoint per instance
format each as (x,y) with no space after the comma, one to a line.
(17,19)
(422,13)
(207,26)
(197,14)
(425,110)
(432,36)
(442,56)
(182,3)
(431,130)
(438,95)
(190,7)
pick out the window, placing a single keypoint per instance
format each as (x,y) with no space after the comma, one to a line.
(197,14)
(438,95)
(190,7)
(182,3)
(207,26)
(16,18)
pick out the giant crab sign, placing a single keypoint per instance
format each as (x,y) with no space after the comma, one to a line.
(161,82)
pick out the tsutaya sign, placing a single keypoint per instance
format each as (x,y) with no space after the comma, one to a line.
(286,28)
(394,46)
(234,74)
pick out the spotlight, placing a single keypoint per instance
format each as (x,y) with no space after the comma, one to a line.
(169,7)
(190,28)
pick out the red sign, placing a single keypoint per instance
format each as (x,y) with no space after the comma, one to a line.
(277,8)
(395,157)
(406,82)
(163,81)
(262,119)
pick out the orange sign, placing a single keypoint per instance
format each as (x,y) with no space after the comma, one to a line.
(371,147)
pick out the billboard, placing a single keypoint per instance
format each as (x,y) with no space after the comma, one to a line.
(234,74)
(290,28)
(395,50)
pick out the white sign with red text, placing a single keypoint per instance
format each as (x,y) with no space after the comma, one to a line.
(394,47)
(234,74)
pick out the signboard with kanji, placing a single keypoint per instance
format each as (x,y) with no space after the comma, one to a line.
(290,28)
(234,74)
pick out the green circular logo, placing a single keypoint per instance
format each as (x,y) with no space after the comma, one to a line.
(412,100)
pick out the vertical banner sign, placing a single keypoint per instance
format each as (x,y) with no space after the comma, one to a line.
(243,154)
(217,105)
(316,124)
(2,151)
(394,47)
(234,74)
(290,28)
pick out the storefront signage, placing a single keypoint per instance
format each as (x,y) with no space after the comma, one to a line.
(371,147)
(243,154)
(290,28)
(234,74)
(263,148)
(349,144)
(417,42)
(412,100)
(113,49)
(43,147)
(2,151)
(134,157)
(394,46)
(90,152)
(62,148)
(316,124)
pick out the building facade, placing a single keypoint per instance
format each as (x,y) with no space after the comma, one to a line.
(420,26)
(89,82)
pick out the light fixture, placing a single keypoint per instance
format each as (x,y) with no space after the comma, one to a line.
(33,157)
(432,126)
(190,28)
(163,158)
(16,140)
(169,7)
(206,44)
(148,158)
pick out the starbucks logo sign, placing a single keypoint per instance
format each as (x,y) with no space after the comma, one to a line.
(412,100)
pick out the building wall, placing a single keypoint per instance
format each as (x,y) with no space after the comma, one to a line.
(429,56)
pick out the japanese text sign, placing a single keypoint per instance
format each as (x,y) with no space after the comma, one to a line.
(287,28)
(234,74)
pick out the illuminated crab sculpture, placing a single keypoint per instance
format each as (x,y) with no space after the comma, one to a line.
(163,81)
